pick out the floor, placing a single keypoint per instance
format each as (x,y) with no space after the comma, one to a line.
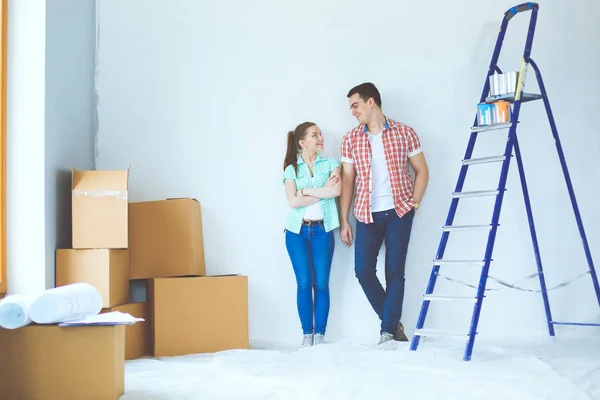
(565,368)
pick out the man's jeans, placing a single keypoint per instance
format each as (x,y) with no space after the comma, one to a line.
(369,237)
(311,253)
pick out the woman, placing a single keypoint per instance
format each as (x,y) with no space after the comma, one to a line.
(311,185)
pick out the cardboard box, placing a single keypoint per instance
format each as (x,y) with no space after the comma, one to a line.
(49,362)
(165,239)
(136,335)
(198,314)
(106,270)
(99,209)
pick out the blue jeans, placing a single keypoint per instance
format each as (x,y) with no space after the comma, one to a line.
(311,253)
(388,226)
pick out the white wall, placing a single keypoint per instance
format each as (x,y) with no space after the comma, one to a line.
(25,146)
(198,97)
(70,112)
(51,56)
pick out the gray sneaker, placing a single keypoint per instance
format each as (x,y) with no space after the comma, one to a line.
(385,337)
(307,340)
(318,339)
(400,336)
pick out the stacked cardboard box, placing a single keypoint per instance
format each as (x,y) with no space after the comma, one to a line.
(99,254)
(188,312)
(115,242)
(41,361)
(50,362)
(159,243)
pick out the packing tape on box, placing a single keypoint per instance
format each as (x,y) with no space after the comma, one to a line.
(119,194)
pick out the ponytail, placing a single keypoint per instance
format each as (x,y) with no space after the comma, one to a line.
(291,154)
(293,137)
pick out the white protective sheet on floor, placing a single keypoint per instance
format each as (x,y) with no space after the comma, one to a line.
(564,368)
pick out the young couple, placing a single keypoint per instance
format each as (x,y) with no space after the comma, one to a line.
(376,154)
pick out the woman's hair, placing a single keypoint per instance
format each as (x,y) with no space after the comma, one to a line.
(293,147)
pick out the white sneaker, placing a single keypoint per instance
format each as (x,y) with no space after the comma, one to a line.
(385,337)
(307,340)
(318,339)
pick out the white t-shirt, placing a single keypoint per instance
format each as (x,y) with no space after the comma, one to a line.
(381,189)
(314,212)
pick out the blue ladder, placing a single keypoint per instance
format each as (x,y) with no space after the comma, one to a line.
(516,98)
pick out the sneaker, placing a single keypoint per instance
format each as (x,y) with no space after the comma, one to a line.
(318,339)
(307,340)
(385,337)
(400,336)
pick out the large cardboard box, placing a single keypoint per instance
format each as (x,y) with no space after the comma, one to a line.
(198,314)
(136,336)
(49,362)
(106,270)
(99,209)
(165,239)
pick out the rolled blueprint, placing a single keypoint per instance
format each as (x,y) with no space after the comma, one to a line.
(66,303)
(14,311)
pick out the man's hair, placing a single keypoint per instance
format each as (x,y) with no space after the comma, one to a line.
(365,91)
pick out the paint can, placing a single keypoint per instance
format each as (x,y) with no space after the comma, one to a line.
(502,87)
(484,114)
(493,81)
(512,78)
(501,112)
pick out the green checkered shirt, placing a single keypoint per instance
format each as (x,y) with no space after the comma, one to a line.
(322,170)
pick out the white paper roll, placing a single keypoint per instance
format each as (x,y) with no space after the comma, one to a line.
(66,303)
(14,311)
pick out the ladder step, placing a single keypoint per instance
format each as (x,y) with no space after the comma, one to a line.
(440,297)
(575,323)
(493,127)
(450,228)
(474,263)
(510,97)
(438,333)
(483,160)
(476,193)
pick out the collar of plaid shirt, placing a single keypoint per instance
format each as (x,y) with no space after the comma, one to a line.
(387,126)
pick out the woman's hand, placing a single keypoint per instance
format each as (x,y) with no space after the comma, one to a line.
(332,187)
(332,181)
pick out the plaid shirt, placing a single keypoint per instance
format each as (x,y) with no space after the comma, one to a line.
(399,142)
(322,172)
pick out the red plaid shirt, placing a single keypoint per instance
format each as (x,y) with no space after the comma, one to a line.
(399,143)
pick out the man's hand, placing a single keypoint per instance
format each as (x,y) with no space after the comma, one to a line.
(346,234)
(348,174)
(421,169)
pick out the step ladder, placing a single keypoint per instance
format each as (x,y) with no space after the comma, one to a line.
(516,98)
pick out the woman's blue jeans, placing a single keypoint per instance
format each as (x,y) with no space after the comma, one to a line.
(311,253)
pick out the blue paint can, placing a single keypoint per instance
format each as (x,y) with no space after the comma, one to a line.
(485,114)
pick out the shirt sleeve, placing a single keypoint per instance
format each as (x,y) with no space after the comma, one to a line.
(414,144)
(289,173)
(347,151)
(333,164)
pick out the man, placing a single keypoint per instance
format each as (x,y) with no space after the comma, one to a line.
(377,153)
